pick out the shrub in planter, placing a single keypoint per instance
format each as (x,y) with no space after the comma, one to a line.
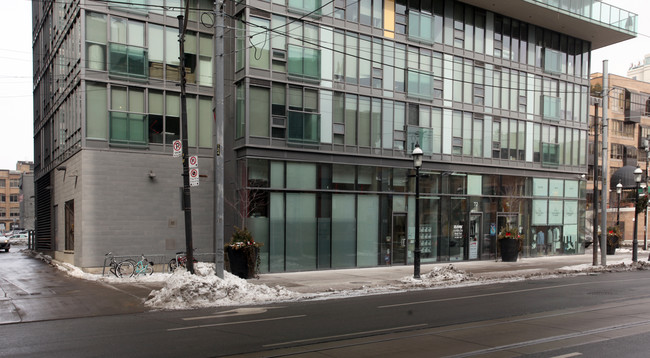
(510,243)
(614,239)
(243,254)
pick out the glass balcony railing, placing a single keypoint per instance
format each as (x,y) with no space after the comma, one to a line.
(596,11)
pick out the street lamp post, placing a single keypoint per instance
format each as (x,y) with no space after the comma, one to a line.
(638,173)
(619,189)
(417,163)
(647,159)
(645,210)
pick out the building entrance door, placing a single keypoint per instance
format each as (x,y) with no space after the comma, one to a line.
(475,235)
(400,242)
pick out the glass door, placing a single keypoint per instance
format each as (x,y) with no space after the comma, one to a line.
(399,242)
(475,234)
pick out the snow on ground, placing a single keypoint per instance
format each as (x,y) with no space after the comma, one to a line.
(182,290)
(617,266)
(441,276)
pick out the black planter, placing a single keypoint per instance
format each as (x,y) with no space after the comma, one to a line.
(243,262)
(509,250)
(611,249)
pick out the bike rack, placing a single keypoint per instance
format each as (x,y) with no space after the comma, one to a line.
(158,259)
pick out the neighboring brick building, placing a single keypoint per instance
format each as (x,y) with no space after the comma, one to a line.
(628,135)
(26,199)
(10,196)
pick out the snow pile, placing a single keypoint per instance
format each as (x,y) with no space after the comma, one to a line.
(440,276)
(625,265)
(204,289)
(38,255)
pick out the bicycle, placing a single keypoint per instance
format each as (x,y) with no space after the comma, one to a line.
(179,261)
(120,269)
(142,267)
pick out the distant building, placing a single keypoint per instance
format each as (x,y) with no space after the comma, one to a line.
(10,196)
(641,70)
(628,147)
(26,199)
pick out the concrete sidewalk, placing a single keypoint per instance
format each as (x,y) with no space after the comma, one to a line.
(357,278)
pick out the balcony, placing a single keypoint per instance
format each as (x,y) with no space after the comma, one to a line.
(600,23)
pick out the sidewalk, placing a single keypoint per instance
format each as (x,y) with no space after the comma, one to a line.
(358,278)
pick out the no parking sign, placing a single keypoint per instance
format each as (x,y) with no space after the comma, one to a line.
(194,177)
(178,147)
(194,161)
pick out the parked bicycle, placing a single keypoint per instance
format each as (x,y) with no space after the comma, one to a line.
(143,267)
(179,261)
(122,268)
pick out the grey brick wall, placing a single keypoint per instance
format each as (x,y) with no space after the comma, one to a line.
(119,209)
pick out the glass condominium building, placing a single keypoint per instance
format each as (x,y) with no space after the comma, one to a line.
(325,101)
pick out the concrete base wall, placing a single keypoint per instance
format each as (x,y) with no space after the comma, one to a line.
(119,208)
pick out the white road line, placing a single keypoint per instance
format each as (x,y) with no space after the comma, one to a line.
(234,323)
(345,335)
(236,312)
(569,355)
(503,293)
(552,339)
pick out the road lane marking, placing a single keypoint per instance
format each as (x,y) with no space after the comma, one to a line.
(501,293)
(552,339)
(231,313)
(234,323)
(569,355)
(346,335)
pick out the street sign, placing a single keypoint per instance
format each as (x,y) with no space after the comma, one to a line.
(194,161)
(178,147)
(194,177)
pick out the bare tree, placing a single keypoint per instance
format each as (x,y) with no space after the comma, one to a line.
(248,202)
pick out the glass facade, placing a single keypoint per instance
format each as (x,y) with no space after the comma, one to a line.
(341,216)
(479,92)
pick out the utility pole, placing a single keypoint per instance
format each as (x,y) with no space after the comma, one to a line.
(217,144)
(603,232)
(594,235)
(646,144)
(187,204)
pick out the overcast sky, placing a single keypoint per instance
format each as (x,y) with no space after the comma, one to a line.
(16,114)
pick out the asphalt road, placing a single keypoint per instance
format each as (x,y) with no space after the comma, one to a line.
(602,315)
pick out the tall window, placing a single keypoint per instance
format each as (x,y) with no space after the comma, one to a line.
(96,114)
(259,43)
(552,61)
(127,54)
(303,52)
(551,109)
(96,39)
(127,119)
(304,120)
(259,113)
